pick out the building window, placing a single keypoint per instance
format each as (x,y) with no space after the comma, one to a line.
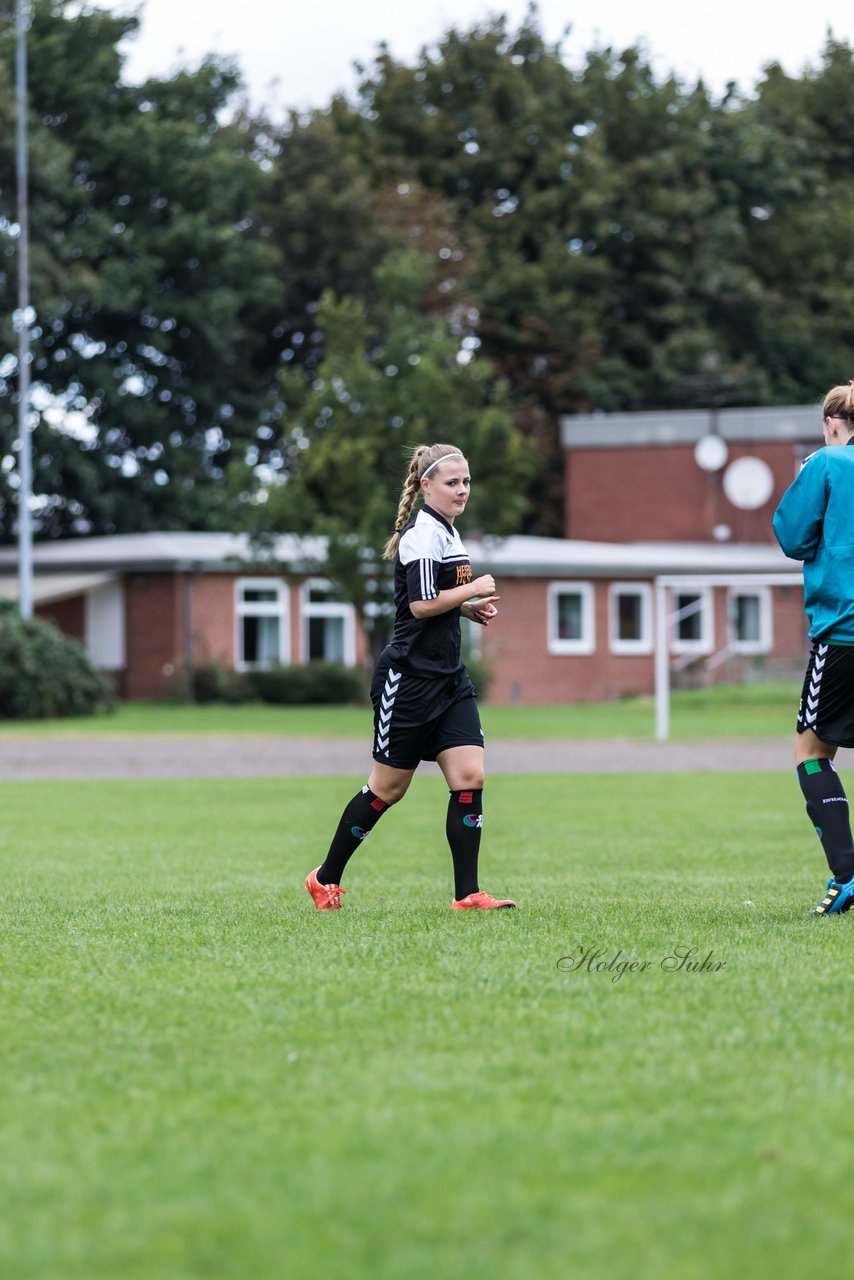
(329,624)
(749,617)
(571,627)
(630,613)
(106,643)
(261,611)
(693,629)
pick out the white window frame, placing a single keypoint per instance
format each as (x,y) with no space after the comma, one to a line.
(279,608)
(586,644)
(766,625)
(333,609)
(706,643)
(644,644)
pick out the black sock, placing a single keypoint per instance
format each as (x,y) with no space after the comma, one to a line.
(362,813)
(827,807)
(463,826)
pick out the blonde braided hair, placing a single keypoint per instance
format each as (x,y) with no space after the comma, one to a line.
(422,457)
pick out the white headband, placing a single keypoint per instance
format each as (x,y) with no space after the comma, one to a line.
(445,458)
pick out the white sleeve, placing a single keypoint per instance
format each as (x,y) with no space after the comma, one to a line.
(420,551)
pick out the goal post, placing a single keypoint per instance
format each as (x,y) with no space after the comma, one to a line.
(665,616)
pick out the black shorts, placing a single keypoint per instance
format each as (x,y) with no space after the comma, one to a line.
(417,717)
(827,699)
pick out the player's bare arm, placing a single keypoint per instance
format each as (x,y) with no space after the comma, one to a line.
(481,588)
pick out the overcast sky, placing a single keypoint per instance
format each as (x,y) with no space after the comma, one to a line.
(298,54)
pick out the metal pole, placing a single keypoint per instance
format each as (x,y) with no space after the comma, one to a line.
(662,663)
(190,575)
(25,457)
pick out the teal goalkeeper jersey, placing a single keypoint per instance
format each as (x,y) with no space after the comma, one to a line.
(815,523)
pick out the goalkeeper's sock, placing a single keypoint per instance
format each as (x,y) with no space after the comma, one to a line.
(463,827)
(360,816)
(827,807)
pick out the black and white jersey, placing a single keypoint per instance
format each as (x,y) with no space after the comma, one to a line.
(430,558)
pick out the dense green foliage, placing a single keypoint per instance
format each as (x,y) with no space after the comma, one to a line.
(243,324)
(44,673)
(209,682)
(149,275)
(299,684)
(192,1057)
(310,683)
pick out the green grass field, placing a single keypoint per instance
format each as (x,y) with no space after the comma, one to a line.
(204,1077)
(746,710)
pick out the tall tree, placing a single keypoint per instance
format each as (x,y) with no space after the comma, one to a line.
(390,377)
(588,202)
(480,121)
(632,243)
(799,222)
(594,238)
(150,266)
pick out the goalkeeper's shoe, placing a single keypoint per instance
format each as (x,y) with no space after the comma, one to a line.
(327,897)
(480,901)
(839,898)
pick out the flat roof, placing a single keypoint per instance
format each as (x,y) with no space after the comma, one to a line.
(57,586)
(553,557)
(798,422)
(186,552)
(518,556)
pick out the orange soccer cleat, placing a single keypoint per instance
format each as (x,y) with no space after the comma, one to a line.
(481,901)
(327,897)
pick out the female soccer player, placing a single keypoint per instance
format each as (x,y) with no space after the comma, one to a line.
(424,701)
(813,524)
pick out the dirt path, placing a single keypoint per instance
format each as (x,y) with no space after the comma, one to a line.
(270,757)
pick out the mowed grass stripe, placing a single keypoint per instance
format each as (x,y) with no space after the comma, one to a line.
(723,711)
(205,1077)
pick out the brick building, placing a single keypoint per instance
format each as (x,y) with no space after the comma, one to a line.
(635,476)
(578,618)
(646,522)
(148,606)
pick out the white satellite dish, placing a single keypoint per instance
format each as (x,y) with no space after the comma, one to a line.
(748,483)
(710,453)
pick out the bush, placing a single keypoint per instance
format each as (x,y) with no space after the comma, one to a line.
(44,673)
(315,682)
(212,683)
(481,674)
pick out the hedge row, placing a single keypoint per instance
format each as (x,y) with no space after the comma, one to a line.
(315,682)
(45,673)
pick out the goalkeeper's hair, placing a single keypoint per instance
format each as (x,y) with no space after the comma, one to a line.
(839,403)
